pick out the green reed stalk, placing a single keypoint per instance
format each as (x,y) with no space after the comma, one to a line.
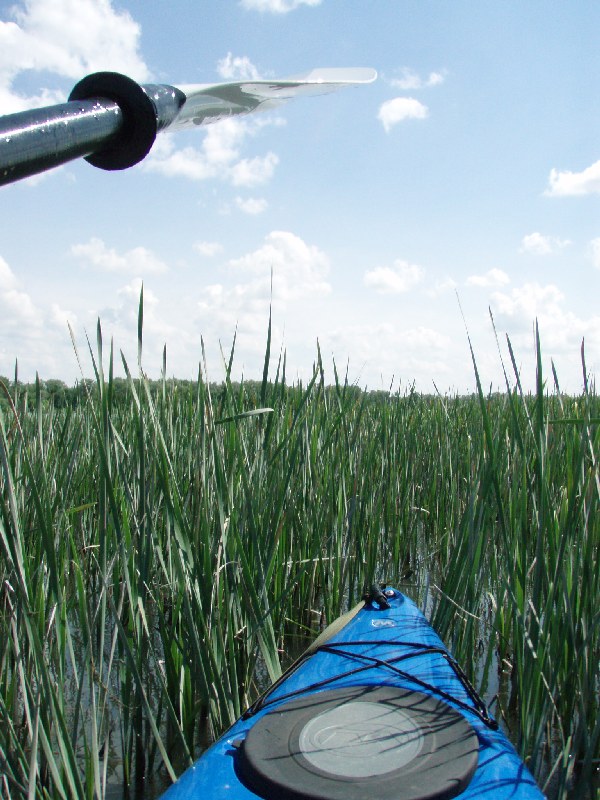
(160,541)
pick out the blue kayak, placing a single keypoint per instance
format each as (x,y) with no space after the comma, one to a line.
(375,708)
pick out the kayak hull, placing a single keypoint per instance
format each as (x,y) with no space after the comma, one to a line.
(390,667)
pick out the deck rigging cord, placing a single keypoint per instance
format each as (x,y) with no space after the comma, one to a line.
(478,708)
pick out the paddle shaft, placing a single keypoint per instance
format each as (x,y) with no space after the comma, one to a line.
(34,141)
(110,120)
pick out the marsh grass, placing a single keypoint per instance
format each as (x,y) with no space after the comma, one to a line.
(160,551)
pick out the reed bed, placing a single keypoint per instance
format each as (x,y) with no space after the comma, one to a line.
(162,547)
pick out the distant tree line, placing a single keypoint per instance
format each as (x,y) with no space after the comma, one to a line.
(58,394)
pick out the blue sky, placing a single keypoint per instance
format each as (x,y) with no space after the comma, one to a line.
(469,171)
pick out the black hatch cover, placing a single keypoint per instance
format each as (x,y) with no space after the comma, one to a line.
(359,742)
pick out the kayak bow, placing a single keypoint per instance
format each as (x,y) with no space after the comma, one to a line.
(376,707)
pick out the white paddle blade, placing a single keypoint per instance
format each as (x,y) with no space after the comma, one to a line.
(207,103)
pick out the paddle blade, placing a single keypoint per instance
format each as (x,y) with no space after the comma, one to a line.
(206,103)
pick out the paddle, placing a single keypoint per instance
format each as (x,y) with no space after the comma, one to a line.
(112,121)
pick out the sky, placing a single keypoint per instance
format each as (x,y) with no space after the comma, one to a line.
(386,224)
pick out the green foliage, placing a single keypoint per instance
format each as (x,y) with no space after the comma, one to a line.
(162,543)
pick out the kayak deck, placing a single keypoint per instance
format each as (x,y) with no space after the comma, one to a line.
(377,708)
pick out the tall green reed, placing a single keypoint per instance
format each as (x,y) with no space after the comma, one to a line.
(160,543)
(525,572)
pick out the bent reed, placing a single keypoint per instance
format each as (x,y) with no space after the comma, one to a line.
(163,544)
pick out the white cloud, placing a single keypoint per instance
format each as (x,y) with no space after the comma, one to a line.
(536,243)
(187,162)
(299,269)
(541,245)
(219,156)
(7,276)
(120,317)
(384,349)
(561,330)
(595,251)
(162,325)
(241,302)
(131,293)
(138,260)
(570,184)
(441,287)
(400,108)
(70,38)
(208,248)
(411,80)
(277,6)
(11,103)
(21,322)
(254,171)
(495,277)
(237,68)
(222,142)
(529,302)
(251,205)
(17,309)
(61,318)
(400,277)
